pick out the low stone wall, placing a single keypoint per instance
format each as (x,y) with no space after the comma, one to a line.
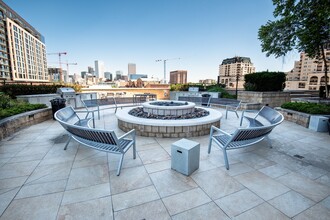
(15,123)
(168,131)
(299,118)
(271,99)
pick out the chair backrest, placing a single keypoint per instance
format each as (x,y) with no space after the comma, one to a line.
(236,105)
(65,114)
(194,99)
(95,135)
(243,134)
(271,115)
(97,102)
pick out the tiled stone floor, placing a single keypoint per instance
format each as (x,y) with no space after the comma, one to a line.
(39,180)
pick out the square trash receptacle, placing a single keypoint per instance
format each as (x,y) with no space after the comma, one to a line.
(185,156)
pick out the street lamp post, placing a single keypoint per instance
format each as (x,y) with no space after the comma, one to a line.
(237,78)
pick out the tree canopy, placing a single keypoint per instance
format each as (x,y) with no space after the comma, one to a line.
(301,24)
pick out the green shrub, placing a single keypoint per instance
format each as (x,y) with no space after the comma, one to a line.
(17,107)
(264,81)
(310,108)
(224,93)
(14,90)
(4,101)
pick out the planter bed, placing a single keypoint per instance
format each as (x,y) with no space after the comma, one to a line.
(15,123)
(299,118)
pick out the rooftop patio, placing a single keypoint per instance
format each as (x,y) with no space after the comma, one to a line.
(39,180)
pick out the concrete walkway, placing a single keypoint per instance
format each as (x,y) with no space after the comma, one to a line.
(39,180)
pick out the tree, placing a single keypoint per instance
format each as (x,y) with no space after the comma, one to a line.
(303,25)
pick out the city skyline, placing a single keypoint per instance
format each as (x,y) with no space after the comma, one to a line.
(201,33)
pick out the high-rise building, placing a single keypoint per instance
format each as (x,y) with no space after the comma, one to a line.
(22,49)
(131,69)
(232,71)
(307,73)
(99,69)
(108,76)
(178,77)
(119,73)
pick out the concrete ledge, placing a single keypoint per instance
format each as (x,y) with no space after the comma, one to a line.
(15,123)
(299,118)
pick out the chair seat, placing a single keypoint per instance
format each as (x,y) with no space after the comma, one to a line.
(125,144)
(253,122)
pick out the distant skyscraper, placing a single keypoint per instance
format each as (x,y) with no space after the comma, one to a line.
(131,69)
(178,77)
(108,76)
(99,69)
(22,49)
(233,68)
(90,70)
(119,73)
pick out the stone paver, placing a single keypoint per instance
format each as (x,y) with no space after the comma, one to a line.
(39,180)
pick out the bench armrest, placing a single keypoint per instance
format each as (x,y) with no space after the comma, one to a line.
(214,129)
(131,132)
(86,117)
(243,112)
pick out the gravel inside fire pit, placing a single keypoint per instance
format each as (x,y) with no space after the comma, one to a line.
(198,113)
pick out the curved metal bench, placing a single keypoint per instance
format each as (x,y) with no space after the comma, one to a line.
(103,140)
(243,137)
(265,115)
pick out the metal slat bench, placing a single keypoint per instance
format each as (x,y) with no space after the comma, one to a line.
(103,140)
(243,137)
(203,101)
(95,105)
(265,115)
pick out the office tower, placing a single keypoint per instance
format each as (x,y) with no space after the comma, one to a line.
(83,74)
(99,69)
(307,73)
(54,74)
(119,73)
(108,76)
(178,77)
(131,69)
(22,49)
(90,70)
(232,71)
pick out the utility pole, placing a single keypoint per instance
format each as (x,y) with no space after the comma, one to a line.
(164,80)
(59,61)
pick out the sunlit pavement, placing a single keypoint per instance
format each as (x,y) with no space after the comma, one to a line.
(39,180)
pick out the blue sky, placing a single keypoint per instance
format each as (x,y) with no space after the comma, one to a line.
(200,32)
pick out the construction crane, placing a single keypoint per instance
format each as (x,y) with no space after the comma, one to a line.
(59,61)
(67,66)
(164,80)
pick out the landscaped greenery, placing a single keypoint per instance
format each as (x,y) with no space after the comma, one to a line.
(14,90)
(264,81)
(300,24)
(9,107)
(310,108)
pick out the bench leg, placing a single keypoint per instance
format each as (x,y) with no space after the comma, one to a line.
(226,158)
(67,143)
(269,141)
(120,164)
(236,114)
(210,144)
(134,150)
